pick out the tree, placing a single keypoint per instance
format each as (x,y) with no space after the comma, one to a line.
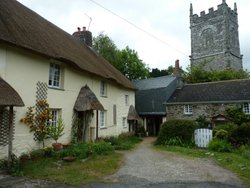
(198,75)
(164,72)
(126,60)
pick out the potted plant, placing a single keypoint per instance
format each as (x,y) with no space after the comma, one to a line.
(55,132)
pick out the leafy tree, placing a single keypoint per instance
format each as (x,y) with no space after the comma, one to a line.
(126,60)
(198,75)
(157,73)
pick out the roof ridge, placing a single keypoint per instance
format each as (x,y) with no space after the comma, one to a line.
(220,81)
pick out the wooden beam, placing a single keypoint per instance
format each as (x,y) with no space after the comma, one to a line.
(96,125)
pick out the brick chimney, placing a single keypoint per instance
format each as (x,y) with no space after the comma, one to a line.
(84,36)
(177,74)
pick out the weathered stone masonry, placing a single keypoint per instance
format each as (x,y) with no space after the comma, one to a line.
(215,39)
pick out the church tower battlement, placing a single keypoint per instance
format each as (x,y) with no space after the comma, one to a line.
(215,39)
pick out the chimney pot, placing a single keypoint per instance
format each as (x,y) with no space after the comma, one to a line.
(79,29)
(84,28)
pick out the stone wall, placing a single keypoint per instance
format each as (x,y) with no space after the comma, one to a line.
(209,110)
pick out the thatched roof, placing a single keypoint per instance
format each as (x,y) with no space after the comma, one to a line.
(132,114)
(21,27)
(87,100)
(8,95)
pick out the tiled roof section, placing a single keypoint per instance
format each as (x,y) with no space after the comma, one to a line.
(21,27)
(153,83)
(222,91)
(151,101)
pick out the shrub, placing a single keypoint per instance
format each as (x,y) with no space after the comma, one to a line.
(202,122)
(100,148)
(219,145)
(241,135)
(11,167)
(171,129)
(230,127)
(221,134)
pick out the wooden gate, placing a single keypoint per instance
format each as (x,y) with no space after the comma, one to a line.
(202,137)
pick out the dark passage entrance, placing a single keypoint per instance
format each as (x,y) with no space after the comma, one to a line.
(153,125)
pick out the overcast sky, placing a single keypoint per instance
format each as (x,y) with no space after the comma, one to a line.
(157,29)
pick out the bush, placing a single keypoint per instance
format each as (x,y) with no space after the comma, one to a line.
(241,135)
(11,167)
(219,145)
(100,148)
(171,129)
(230,127)
(221,134)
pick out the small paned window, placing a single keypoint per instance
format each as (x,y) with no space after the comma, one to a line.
(114,115)
(103,89)
(188,109)
(55,75)
(102,119)
(124,122)
(246,108)
(54,116)
(126,100)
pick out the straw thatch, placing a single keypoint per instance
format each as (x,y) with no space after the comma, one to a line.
(132,114)
(8,95)
(21,27)
(87,100)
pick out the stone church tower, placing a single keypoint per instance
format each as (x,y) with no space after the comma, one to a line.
(215,39)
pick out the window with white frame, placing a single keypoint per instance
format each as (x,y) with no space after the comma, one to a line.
(55,74)
(246,108)
(114,114)
(188,109)
(124,122)
(126,100)
(54,116)
(103,89)
(102,119)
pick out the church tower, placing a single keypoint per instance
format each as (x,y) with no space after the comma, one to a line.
(215,39)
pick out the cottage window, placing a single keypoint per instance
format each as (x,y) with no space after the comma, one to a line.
(124,122)
(188,109)
(114,115)
(102,122)
(246,108)
(54,116)
(103,89)
(55,75)
(126,100)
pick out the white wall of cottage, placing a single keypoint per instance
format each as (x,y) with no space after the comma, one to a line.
(22,70)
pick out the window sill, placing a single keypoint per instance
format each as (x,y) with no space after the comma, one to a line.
(103,127)
(187,114)
(55,88)
(104,96)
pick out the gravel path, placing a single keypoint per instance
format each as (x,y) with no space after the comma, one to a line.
(146,166)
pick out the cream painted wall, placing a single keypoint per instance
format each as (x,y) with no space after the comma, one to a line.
(22,70)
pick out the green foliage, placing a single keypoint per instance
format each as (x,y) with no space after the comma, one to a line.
(11,167)
(237,115)
(219,145)
(221,135)
(171,129)
(176,141)
(202,122)
(126,60)
(56,131)
(197,74)
(157,73)
(227,127)
(100,148)
(241,135)
(124,141)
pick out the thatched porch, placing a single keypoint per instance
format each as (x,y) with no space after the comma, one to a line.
(8,99)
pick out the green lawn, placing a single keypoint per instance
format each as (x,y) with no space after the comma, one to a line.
(237,162)
(78,172)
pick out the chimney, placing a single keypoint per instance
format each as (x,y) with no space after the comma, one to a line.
(177,74)
(84,36)
(177,71)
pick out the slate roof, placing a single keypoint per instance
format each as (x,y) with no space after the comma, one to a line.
(213,92)
(153,83)
(21,27)
(152,93)
(8,95)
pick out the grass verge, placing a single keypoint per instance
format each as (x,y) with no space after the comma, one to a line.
(78,172)
(237,162)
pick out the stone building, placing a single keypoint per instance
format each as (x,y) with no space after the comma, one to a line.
(215,38)
(209,99)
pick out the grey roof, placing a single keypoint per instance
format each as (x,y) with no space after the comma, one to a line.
(132,114)
(212,92)
(151,101)
(153,83)
(8,95)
